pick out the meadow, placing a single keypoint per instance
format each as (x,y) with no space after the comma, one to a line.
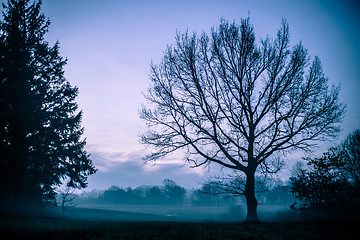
(155,222)
(40,228)
(184,213)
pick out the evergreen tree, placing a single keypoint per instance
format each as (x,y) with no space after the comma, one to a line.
(40,124)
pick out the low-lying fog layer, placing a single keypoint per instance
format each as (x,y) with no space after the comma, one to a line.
(172,202)
(222,213)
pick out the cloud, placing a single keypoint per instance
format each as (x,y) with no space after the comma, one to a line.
(118,169)
(105,159)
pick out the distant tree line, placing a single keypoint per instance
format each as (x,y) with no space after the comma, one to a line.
(328,186)
(170,193)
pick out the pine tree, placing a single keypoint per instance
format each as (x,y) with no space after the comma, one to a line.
(40,124)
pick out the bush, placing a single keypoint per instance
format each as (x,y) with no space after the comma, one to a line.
(329,185)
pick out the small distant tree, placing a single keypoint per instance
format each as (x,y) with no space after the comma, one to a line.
(66,197)
(208,194)
(134,196)
(154,195)
(224,99)
(115,195)
(92,197)
(93,194)
(174,191)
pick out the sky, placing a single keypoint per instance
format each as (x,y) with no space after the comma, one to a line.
(110,44)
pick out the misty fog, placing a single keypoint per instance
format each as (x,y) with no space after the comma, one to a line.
(171,202)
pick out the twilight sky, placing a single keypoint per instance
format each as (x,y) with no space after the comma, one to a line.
(110,44)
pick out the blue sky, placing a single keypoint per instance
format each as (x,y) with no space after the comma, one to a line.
(110,44)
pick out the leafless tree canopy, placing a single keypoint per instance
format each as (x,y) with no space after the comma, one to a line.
(226,100)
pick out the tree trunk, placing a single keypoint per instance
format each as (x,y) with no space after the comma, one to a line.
(251,201)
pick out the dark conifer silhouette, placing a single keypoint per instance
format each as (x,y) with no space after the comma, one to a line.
(40,125)
(224,99)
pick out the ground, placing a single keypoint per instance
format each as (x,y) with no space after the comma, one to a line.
(172,222)
(45,228)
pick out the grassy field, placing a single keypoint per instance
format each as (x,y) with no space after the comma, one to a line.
(172,222)
(185,213)
(26,228)
(163,212)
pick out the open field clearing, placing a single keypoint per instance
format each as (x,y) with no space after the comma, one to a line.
(170,212)
(221,213)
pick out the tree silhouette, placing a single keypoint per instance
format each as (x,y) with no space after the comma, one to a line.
(226,100)
(331,181)
(65,197)
(349,157)
(173,191)
(318,186)
(40,125)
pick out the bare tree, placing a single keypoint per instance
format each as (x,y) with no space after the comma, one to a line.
(226,100)
(65,197)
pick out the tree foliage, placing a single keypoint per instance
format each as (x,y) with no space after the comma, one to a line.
(330,182)
(169,193)
(226,99)
(318,185)
(174,191)
(349,157)
(40,124)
